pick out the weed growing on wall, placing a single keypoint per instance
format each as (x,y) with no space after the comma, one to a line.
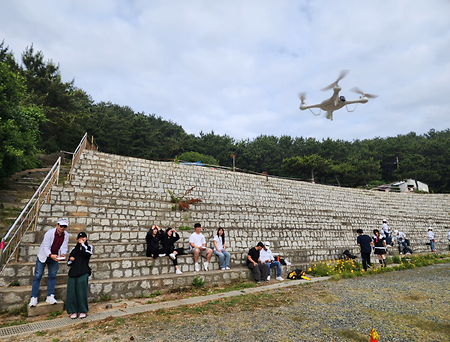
(183,202)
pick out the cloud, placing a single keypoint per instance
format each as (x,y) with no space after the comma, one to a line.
(237,67)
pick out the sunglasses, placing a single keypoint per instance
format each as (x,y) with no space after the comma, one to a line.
(63,226)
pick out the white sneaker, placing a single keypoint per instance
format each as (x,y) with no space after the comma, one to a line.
(178,272)
(279,278)
(51,299)
(196,267)
(172,256)
(227,268)
(268,278)
(205,265)
(162,255)
(33,301)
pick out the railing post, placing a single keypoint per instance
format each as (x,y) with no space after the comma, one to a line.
(2,246)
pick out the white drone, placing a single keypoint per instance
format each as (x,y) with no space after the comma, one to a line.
(335,102)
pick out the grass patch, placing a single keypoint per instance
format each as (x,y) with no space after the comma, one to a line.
(351,335)
(53,315)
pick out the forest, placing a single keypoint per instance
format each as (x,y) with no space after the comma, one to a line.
(39,113)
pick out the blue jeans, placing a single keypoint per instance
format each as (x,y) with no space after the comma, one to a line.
(400,245)
(224,258)
(275,264)
(39,271)
(432,245)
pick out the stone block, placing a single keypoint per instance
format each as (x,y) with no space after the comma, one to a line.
(43,308)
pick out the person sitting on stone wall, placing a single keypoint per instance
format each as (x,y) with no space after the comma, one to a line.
(197,244)
(220,250)
(254,263)
(153,239)
(168,243)
(266,257)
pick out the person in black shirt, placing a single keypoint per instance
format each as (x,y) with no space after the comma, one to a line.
(153,239)
(77,282)
(363,242)
(258,268)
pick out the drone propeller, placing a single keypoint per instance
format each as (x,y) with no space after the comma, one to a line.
(302,97)
(334,84)
(359,91)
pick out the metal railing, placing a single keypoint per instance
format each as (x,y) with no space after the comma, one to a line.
(9,246)
(84,144)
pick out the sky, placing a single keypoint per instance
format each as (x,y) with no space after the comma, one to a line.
(236,67)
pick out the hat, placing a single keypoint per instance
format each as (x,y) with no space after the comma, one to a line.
(384,220)
(395,231)
(267,244)
(81,234)
(429,228)
(63,222)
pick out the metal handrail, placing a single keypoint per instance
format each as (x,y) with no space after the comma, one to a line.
(84,144)
(27,218)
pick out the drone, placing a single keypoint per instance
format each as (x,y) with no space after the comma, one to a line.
(335,102)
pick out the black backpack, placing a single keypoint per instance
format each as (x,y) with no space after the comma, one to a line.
(296,274)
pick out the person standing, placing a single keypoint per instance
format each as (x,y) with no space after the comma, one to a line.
(220,250)
(266,256)
(77,282)
(448,234)
(432,240)
(379,243)
(197,244)
(387,232)
(254,263)
(168,243)
(363,242)
(52,250)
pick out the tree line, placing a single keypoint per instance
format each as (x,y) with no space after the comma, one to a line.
(42,114)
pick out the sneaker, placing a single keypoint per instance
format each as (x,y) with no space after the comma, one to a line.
(258,282)
(205,265)
(172,256)
(33,301)
(51,299)
(268,278)
(82,315)
(401,253)
(222,269)
(197,267)
(162,255)
(178,272)
(227,268)
(74,315)
(279,278)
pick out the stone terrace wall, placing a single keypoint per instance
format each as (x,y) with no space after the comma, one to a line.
(119,198)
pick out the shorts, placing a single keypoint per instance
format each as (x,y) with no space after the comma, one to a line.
(202,253)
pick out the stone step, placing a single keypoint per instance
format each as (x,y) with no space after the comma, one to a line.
(14,297)
(126,267)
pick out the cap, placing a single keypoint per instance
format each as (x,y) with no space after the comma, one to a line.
(63,222)
(81,235)
(395,231)
(429,228)
(384,220)
(267,244)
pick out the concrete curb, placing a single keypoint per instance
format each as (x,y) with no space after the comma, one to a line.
(25,329)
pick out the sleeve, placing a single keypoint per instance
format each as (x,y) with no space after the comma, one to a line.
(47,242)
(69,262)
(176,237)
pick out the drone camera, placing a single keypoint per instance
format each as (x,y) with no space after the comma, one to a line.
(342,98)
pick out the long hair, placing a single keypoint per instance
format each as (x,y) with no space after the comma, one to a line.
(223,235)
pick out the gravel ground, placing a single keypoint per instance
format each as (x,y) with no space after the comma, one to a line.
(409,305)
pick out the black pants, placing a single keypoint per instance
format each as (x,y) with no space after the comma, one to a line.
(365,260)
(153,252)
(168,250)
(260,271)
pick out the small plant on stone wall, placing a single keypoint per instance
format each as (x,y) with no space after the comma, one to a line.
(14,283)
(104,297)
(184,228)
(183,202)
(198,282)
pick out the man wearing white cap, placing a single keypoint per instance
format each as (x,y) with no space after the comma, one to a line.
(266,257)
(52,250)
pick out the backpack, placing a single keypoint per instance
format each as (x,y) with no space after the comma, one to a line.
(296,274)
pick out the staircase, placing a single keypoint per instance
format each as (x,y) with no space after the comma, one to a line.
(116,200)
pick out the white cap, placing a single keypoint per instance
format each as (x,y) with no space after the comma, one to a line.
(267,244)
(384,220)
(395,231)
(429,228)
(63,222)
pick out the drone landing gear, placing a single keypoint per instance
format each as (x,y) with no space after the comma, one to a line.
(348,110)
(320,112)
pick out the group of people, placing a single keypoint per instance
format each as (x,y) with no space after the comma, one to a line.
(160,244)
(52,250)
(260,260)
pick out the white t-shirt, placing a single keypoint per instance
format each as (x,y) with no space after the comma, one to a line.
(430,235)
(197,239)
(266,255)
(219,243)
